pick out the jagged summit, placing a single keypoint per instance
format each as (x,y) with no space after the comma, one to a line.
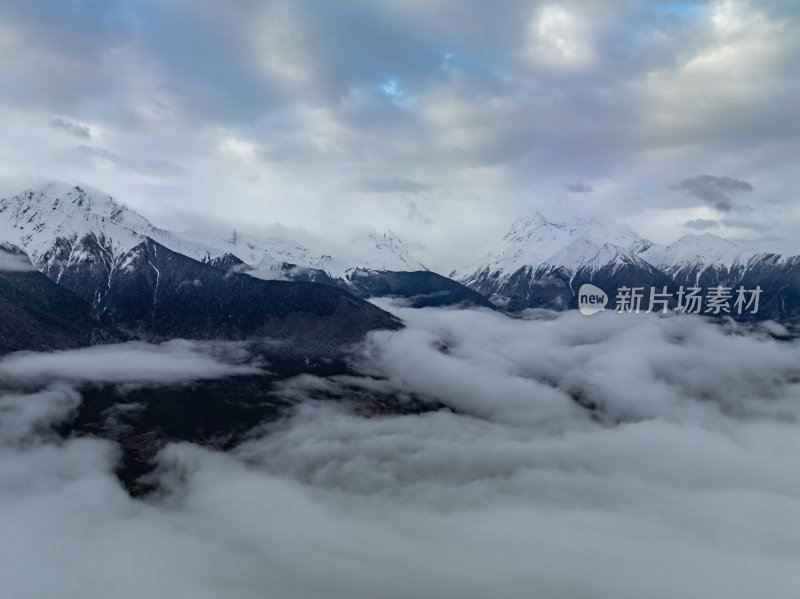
(51,222)
(83,196)
(151,284)
(38,220)
(537,242)
(523,224)
(372,250)
(269,256)
(114,258)
(706,248)
(541,263)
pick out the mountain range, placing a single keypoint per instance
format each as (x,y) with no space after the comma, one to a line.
(89,269)
(542,264)
(145,283)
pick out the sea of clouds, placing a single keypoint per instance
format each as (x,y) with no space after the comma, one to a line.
(612,456)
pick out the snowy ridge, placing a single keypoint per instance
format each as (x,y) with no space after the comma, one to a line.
(696,250)
(541,244)
(39,221)
(265,255)
(542,263)
(55,220)
(268,256)
(371,251)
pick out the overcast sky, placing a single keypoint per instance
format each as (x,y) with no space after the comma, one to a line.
(443,120)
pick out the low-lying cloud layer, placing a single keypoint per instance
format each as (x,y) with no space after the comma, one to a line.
(171,362)
(682,482)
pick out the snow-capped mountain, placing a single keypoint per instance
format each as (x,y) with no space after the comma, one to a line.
(707,249)
(38,314)
(542,263)
(709,260)
(34,220)
(371,264)
(280,258)
(705,259)
(373,251)
(115,261)
(538,243)
(136,276)
(49,225)
(53,225)
(121,264)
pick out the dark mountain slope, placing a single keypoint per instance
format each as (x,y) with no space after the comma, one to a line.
(152,292)
(421,288)
(36,314)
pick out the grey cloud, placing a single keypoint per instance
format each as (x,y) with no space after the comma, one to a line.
(481,113)
(393,185)
(701,224)
(173,361)
(762,241)
(578,187)
(415,212)
(147,166)
(99,153)
(71,128)
(744,224)
(714,190)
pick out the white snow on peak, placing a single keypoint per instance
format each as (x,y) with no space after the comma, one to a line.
(371,250)
(267,255)
(262,253)
(536,242)
(37,219)
(702,250)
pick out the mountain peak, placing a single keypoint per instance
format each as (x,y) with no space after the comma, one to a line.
(701,249)
(576,226)
(85,197)
(373,250)
(57,216)
(524,224)
(706,237)
(535,241)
